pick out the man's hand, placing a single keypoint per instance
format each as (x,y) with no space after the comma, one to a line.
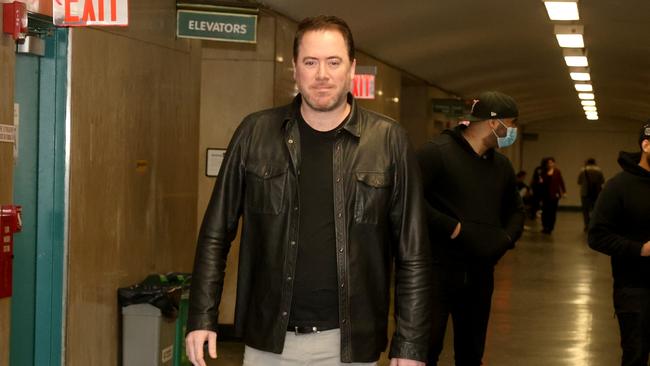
(645,250)
(194,346)
(405,362)
(456,231)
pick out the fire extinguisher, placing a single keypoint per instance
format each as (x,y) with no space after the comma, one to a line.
(10,223)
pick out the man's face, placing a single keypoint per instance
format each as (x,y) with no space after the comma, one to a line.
(645,151)
(323,70)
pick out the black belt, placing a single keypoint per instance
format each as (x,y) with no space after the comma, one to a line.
(306,329)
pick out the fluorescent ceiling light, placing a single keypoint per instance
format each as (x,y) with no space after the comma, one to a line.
(589,96)
(588,102)
(591,114)
(592,117)
(580,76)
(570,40)
(562,10)
(589,108)
(584,87)
(576,61)
(569,35)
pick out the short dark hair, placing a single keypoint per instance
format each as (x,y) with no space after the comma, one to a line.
(321,23)
(590,161)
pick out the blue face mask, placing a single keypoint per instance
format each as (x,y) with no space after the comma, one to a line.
(509,138)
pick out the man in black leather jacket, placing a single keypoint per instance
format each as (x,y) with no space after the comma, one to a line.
(331,199)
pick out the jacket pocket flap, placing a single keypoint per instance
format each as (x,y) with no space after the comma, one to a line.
(375,179)
(267,171)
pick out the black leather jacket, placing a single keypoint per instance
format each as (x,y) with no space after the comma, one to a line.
(379,218)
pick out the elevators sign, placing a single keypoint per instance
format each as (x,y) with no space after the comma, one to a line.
(216,26)
(79,13)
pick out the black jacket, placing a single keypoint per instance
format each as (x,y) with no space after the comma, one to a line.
(480,192)
(379,218)
(621,223)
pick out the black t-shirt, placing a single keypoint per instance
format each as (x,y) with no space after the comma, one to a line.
(315,290)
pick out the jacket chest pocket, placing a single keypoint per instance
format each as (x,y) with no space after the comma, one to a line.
(265,188)
(372,196)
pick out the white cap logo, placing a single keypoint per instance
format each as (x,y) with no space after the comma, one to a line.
(473,104)
(492,114)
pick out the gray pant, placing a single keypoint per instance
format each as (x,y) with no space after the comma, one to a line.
(317,349)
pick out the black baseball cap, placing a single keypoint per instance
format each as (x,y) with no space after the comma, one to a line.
(644,134)
(492,105)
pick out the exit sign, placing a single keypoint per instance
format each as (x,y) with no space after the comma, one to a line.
(79,13)
(363,86)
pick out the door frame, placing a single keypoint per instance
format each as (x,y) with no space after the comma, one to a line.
(51,197)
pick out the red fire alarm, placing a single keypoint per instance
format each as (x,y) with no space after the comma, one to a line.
(15,19)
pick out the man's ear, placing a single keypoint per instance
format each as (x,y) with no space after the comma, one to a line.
(645,146)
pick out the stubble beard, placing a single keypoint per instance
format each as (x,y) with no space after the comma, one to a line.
(340,100)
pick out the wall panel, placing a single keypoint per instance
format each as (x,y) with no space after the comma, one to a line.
(135,119)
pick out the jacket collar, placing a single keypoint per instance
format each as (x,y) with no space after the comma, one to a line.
(351,123)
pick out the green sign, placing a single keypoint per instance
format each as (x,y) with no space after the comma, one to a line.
(216,26)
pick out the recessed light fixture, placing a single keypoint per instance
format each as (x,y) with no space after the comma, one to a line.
(587,96)
(569,36)
(580,76)
(570,40)
(576,60)
(583,87)
(588,102)
(575,57)
(562,10)
(590,108)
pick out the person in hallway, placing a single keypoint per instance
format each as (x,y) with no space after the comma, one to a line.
(620,228)
(537,189)
(552,190)
(591,180)
(476,212)
(524,190)
(331,198)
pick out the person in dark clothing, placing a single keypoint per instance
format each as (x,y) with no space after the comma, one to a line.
(620,228)
(537,190)
(591,181)
(552,190)
(331,200)
(474,209)
(524,190)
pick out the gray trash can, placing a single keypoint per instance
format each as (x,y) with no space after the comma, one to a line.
(147,336)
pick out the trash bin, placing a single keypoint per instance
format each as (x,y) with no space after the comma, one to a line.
(147,336)
(150,320)
(180,356)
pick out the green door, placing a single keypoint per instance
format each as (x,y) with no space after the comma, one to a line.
(39,187)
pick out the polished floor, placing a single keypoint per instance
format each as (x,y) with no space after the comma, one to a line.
(551,306)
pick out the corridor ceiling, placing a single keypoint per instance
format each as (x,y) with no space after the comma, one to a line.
(467,46)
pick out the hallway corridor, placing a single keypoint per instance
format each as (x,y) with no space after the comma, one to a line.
(551,306)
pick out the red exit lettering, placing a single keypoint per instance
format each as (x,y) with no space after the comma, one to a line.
(89,13)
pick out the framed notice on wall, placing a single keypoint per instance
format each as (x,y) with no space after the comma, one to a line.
(213,159)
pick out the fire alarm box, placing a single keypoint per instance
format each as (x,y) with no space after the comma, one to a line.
(14,20)
(10,223)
